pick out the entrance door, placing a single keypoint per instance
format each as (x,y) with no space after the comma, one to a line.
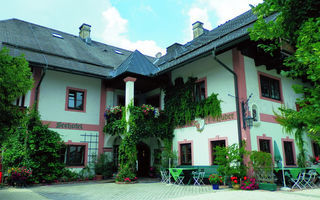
(143,159)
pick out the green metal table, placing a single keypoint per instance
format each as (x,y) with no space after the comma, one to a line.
(176,172)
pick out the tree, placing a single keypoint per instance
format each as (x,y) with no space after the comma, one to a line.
(298,23)
(37,147)
(15,81)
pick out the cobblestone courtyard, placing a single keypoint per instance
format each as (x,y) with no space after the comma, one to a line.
(141,191)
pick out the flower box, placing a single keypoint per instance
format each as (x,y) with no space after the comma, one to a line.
(268,186)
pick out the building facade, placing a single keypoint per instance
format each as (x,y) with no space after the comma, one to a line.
(78,78)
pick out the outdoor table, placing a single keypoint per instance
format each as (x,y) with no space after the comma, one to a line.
(293,171)
(176,172)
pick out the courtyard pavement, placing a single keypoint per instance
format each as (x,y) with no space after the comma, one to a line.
(146,191)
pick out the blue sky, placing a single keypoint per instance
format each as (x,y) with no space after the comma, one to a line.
(147,25)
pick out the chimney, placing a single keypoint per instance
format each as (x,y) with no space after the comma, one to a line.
(198,29)
(84,33)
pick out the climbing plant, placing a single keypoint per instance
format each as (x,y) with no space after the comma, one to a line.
(181,107)
(146,121)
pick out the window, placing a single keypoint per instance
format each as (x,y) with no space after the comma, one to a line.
(316,149)
(154,101)
(288,152)
(20,101)
(74,155)
(185,154)
(265,145)
(76,99)
(214,144)
(200,91)
(270,88)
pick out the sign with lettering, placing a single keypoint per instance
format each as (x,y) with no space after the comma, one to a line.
(69,125)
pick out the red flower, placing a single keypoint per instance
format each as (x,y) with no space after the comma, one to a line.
(245,178)
(235,181)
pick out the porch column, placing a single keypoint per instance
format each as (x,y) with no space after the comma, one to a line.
(129,94)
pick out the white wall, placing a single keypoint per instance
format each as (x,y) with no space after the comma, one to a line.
(53,98)
(273,130)
(221,82)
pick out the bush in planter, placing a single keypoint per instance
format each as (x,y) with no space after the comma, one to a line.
(126,175)
(230,161)
(262,165)
(103,166)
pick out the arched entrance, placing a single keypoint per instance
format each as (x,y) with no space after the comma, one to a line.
(143,159)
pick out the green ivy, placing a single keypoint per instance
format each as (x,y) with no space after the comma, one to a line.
(180,109)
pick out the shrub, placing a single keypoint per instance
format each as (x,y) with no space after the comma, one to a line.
(249,184)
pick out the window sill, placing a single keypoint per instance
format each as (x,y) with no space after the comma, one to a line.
(273,100)
(75,166)
(74,110)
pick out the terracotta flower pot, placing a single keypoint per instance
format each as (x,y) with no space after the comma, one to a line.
(236,186)
(98,177)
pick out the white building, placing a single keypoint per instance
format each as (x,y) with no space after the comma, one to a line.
(78,78)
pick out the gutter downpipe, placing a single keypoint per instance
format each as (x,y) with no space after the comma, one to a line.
(236,93)
(38,86)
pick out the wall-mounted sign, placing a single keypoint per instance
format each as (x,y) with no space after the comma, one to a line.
(69,125)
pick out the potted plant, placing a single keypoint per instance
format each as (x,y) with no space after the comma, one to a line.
(103,167)
(262,166)
(215,180)
(230,162)
(235,181)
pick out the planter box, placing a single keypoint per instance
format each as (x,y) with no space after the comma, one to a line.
(268,186)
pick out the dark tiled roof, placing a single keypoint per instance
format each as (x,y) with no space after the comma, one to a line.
(136,63)
(223,34)
(69,52)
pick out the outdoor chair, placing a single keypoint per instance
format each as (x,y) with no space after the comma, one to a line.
(165,176)
(198,178)
(309,179)
(298,182)
(178,179)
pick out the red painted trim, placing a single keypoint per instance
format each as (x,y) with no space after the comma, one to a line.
(287,139)
(84,99)
(230,116)
(185,141)
(85,154)
(268,118)
(264,137)
(103,97)
(107,149)
(36,76)
(239,69)
(217,138)
(129,79)
(280,87)
(205,84)
(110,89)
(85,127)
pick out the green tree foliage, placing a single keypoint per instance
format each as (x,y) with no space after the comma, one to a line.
(35,146)
(230,160)
(15,81)
(297,22)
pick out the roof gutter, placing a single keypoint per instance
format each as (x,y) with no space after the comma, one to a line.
(236,93)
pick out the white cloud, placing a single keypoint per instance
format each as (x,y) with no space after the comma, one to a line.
(116,30)
(226,10)
(223,10)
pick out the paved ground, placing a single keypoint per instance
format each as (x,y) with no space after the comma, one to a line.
(147,191)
